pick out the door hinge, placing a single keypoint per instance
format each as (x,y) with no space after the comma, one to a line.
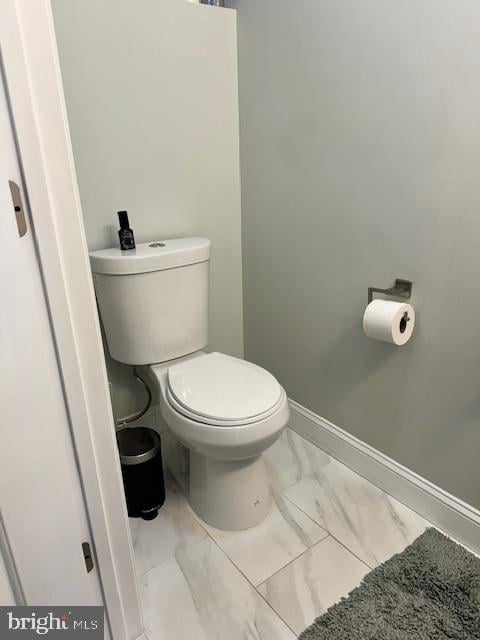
(87,554)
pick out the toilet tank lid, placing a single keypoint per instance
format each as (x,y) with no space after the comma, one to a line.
(156,255)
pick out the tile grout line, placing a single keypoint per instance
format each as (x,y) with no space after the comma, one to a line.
(208,535)
(159,564)
(329,532)
(250,584)
(241,573)
(319,542)
(354,554)
(360,475)
(238,570)
(385,494)
(274,610)
(307,548)
(337,539)
(288,499)
(308,515)
(256,587)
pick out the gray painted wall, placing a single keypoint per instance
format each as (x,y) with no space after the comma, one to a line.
(152,100)
(360,157)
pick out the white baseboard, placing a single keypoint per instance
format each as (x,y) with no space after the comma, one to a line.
(451,515)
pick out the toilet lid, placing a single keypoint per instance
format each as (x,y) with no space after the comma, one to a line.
(220,387)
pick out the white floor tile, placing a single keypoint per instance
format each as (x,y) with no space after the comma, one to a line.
(292,458)
(200,595)
(156,540)
(373,525)
(312,583)
(262,550)
(194,592)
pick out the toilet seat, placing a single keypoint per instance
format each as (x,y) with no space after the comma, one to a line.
(223,391)
(176,406)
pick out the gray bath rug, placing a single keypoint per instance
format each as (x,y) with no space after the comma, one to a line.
(430,591)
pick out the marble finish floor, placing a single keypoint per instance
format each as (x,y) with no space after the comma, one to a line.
(327,528)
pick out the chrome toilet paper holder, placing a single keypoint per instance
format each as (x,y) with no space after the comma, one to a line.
(401,289)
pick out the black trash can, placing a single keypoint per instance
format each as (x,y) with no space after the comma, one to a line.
(141,459)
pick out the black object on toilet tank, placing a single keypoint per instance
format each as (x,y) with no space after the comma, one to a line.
(142,470)
(125,234)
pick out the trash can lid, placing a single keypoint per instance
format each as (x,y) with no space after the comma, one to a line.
(137,444)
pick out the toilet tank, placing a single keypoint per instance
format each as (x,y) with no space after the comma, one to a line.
(153,300)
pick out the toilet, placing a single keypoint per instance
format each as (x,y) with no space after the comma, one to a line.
(224,411)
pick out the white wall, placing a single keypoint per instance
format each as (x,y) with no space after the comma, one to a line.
(151,91)
(6,594)
(360,150)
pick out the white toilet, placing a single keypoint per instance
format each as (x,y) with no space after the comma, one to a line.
(154,306)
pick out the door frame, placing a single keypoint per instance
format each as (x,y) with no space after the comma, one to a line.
(35,92)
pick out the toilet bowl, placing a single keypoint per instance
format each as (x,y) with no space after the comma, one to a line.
(225,412)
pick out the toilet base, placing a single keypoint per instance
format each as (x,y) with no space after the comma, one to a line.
(231,495)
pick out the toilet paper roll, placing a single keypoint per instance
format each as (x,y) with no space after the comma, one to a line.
(389,321)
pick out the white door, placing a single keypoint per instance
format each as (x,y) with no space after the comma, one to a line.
(43,521)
